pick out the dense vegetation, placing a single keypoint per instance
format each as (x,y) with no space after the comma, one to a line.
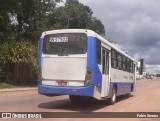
(22,22)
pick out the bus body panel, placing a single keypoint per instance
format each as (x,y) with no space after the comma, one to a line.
(122,88)
(123,80)
(121,76)
(64,68)
(57,90)
(96,79)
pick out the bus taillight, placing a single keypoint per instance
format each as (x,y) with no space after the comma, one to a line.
(88,77)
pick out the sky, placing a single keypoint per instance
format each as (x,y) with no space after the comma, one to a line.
(134,25)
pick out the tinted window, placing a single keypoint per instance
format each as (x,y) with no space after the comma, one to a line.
(98,46)
(114,54)
(119,58)
(65,43)
(128,65)
(124,63)
(113,58)
(131,66)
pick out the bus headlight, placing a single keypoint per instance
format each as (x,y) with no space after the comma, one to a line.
(88,77)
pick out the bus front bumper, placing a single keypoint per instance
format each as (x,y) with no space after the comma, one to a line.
(57,90)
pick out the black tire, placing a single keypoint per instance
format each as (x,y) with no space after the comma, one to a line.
(113,98)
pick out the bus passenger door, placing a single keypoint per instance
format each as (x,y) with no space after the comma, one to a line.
(105,72)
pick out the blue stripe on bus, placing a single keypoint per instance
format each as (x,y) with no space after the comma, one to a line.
(40,52)
(92,63)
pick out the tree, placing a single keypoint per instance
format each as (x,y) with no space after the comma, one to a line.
(21,24)
(96,25)
(75,15)
(26,19)
(5,27)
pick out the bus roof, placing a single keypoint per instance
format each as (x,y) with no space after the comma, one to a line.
(89,33)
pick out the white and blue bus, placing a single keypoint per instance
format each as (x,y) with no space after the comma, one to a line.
(81,63)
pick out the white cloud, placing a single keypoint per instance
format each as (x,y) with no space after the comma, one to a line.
(134,24)
(153,69)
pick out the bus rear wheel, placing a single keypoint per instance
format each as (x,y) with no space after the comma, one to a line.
(112,100)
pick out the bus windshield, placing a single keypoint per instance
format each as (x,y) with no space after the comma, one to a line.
(65,43)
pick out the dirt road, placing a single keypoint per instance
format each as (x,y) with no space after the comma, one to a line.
(145,99)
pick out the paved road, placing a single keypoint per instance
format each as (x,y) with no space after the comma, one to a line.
(145,99)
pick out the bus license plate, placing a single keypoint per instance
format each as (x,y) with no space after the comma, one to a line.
(62,83)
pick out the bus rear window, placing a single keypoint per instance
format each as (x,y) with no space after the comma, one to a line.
(65,43)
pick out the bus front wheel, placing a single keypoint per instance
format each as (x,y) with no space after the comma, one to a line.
(112,100)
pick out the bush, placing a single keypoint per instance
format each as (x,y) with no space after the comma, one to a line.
(18,63)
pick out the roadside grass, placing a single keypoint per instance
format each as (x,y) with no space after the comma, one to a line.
(6,85)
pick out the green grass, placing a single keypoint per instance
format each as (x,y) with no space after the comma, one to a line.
(6,85)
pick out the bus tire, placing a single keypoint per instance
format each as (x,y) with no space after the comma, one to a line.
(112,100)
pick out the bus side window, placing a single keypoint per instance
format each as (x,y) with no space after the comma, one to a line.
(114,58)
(128,65)
(124,63)
(98,49)
(131,66)
(119,58)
